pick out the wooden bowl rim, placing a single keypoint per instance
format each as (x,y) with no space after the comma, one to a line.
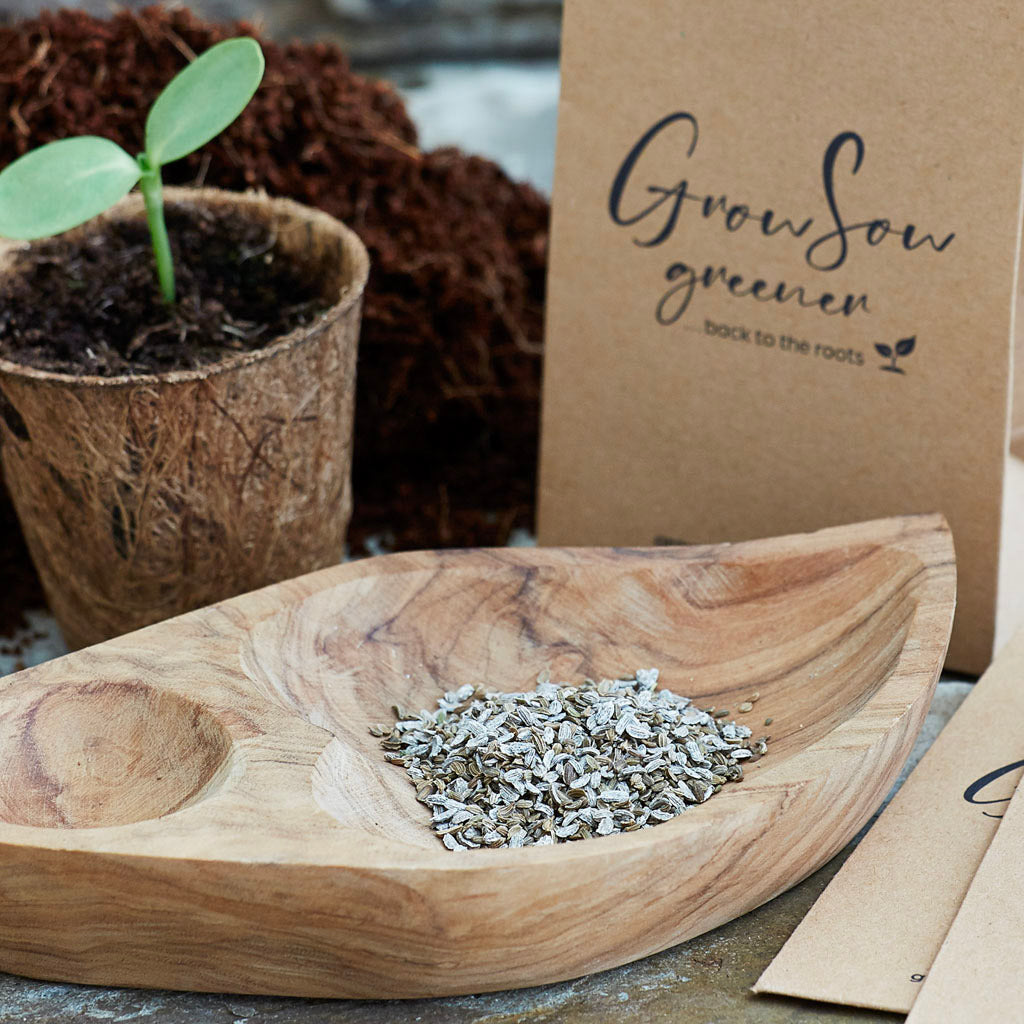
(913,675)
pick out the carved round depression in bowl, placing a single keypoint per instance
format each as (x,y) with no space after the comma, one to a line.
(104,753)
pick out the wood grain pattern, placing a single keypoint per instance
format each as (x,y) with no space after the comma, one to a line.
(252,838)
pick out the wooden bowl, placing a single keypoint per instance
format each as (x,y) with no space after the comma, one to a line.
(200,805)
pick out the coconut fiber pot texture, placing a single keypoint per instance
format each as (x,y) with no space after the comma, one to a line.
(449,365)
(199,483)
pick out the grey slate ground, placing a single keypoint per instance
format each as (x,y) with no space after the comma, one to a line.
(382,31)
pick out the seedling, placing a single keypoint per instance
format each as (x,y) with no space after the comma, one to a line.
(65,183)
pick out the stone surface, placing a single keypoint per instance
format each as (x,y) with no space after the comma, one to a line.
(506,110)
(375,31)
(39,641)
(379,30)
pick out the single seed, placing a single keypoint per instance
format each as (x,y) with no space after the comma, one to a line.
(745,707)
(768,721)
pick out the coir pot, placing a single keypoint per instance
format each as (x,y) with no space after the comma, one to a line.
(142,497)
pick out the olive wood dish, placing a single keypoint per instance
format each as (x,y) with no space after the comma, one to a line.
(200,804)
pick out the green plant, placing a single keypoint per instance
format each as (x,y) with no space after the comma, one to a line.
(65,183)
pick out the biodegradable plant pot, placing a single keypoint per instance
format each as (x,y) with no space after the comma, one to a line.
(142,497)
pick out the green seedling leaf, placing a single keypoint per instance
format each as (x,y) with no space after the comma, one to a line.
(203,99)
(63,184)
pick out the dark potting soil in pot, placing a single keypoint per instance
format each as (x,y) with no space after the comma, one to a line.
(92,307)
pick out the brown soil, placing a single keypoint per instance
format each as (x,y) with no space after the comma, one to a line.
(92,306)
(450,352)
(19,585)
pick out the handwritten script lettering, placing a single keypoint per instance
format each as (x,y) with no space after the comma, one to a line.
(975,788)
(656,211)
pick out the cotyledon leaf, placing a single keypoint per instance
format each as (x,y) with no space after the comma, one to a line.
(203,99)
(63,184)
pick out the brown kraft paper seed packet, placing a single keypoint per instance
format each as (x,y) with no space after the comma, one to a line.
(872,936)
(783,276)
(977,976)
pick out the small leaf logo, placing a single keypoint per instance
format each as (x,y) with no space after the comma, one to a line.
(903,348)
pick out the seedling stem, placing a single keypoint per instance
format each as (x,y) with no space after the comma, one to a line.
(151,187)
